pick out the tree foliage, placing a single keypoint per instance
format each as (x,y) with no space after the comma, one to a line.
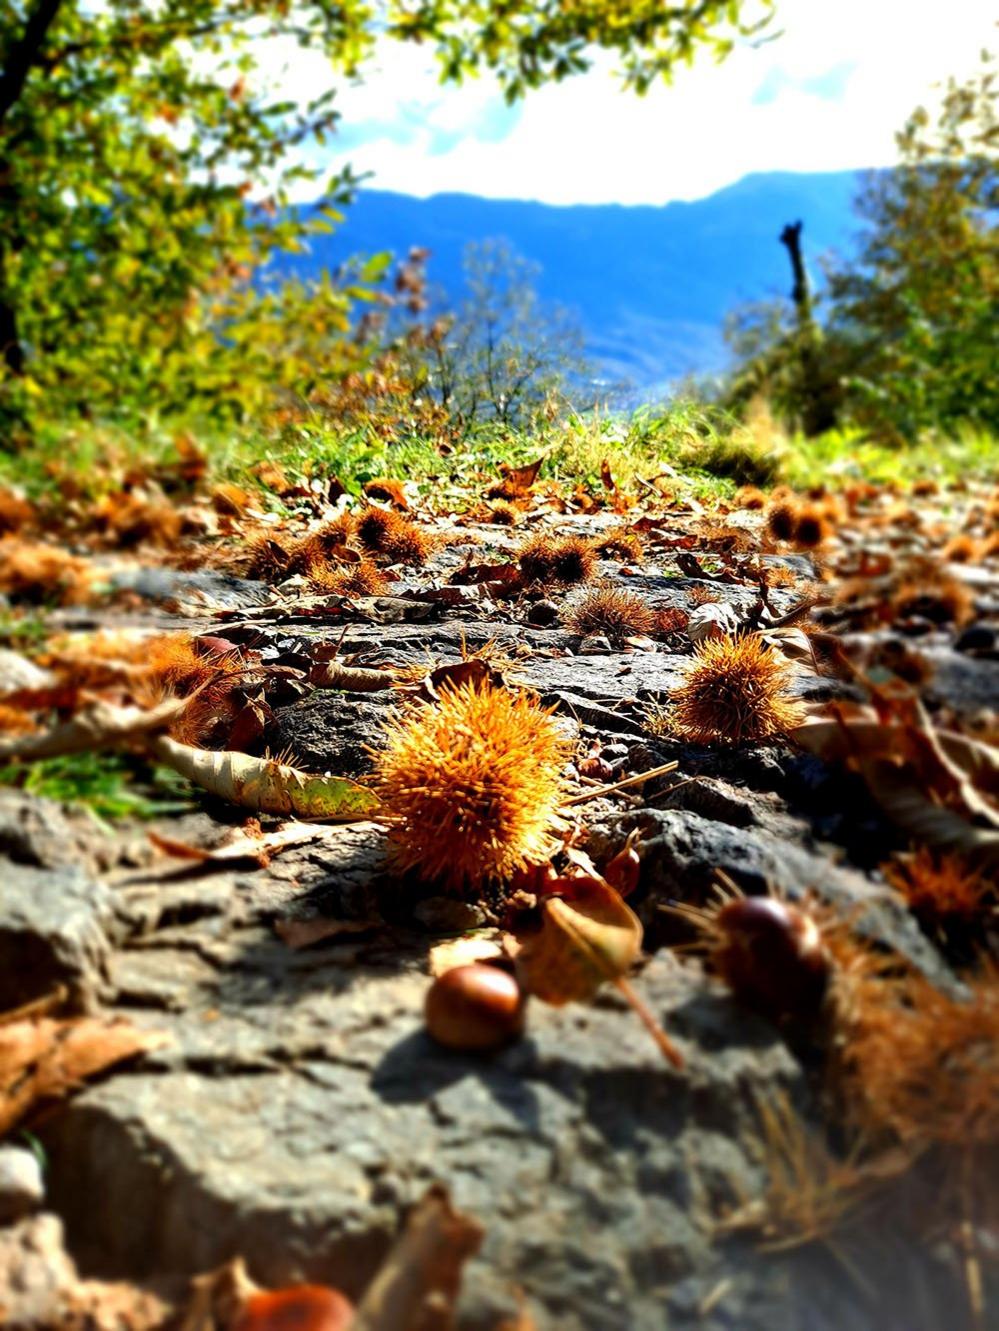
(145,168)
(919,310)
(908,338)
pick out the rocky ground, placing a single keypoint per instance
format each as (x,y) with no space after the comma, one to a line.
(298,1107)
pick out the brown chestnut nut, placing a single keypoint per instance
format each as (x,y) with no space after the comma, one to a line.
(298,1308)
(475,1007)
(772,956)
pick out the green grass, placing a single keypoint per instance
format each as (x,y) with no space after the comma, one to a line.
(109,785)
(697,449)
(842,456)
(22,631)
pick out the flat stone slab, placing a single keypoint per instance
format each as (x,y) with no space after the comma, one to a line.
(299,1107)
(54,930)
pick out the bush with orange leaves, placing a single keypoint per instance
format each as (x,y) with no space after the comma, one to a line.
(734,689)
(472,786)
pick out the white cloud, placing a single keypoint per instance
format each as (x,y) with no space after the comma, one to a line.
(829,93)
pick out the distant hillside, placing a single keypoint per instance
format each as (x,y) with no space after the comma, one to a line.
(650,285)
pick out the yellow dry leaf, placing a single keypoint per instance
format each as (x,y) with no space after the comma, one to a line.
(586,938)
(266,785)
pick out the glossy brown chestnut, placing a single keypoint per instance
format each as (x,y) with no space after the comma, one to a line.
(475,1007)
(772,956)
(297,1308)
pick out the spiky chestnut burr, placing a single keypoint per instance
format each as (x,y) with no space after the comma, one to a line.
(567,560)
(613,612)
(471,786)
(735,689)
(811,527)
(390,534)
(364,578)
(781,518)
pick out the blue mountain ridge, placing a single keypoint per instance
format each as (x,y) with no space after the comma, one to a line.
(649,285)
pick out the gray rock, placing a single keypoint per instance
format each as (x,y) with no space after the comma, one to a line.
(54,930)
(332,731)
(595,645)
(302,1107)
(21,1187)
(217,589)
(963,682)
(37,1273)
(682,851)
(40,833)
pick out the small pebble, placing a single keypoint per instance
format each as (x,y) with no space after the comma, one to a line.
(595,646)
(21,1187)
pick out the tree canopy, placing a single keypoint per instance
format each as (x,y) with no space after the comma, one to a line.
(145,169)
(919,308)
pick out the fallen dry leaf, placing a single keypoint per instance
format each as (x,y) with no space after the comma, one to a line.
(936,785)
(100,725)
(352,679)
(588,935)
(517,481)
(46,1059)
(715,619)
(265,785)
(418,1284)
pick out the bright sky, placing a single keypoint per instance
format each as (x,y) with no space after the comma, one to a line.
(827,94)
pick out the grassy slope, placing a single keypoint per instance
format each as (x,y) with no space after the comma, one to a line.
(712,453)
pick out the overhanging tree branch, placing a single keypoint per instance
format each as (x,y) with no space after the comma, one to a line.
(23,54)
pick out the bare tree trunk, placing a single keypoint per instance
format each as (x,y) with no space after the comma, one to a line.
(11,350)
(23,54)
(800,292)
(817,413)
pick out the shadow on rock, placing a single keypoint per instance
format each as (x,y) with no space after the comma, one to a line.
(415,1069)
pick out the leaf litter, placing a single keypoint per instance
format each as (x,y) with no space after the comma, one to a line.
(565,927)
